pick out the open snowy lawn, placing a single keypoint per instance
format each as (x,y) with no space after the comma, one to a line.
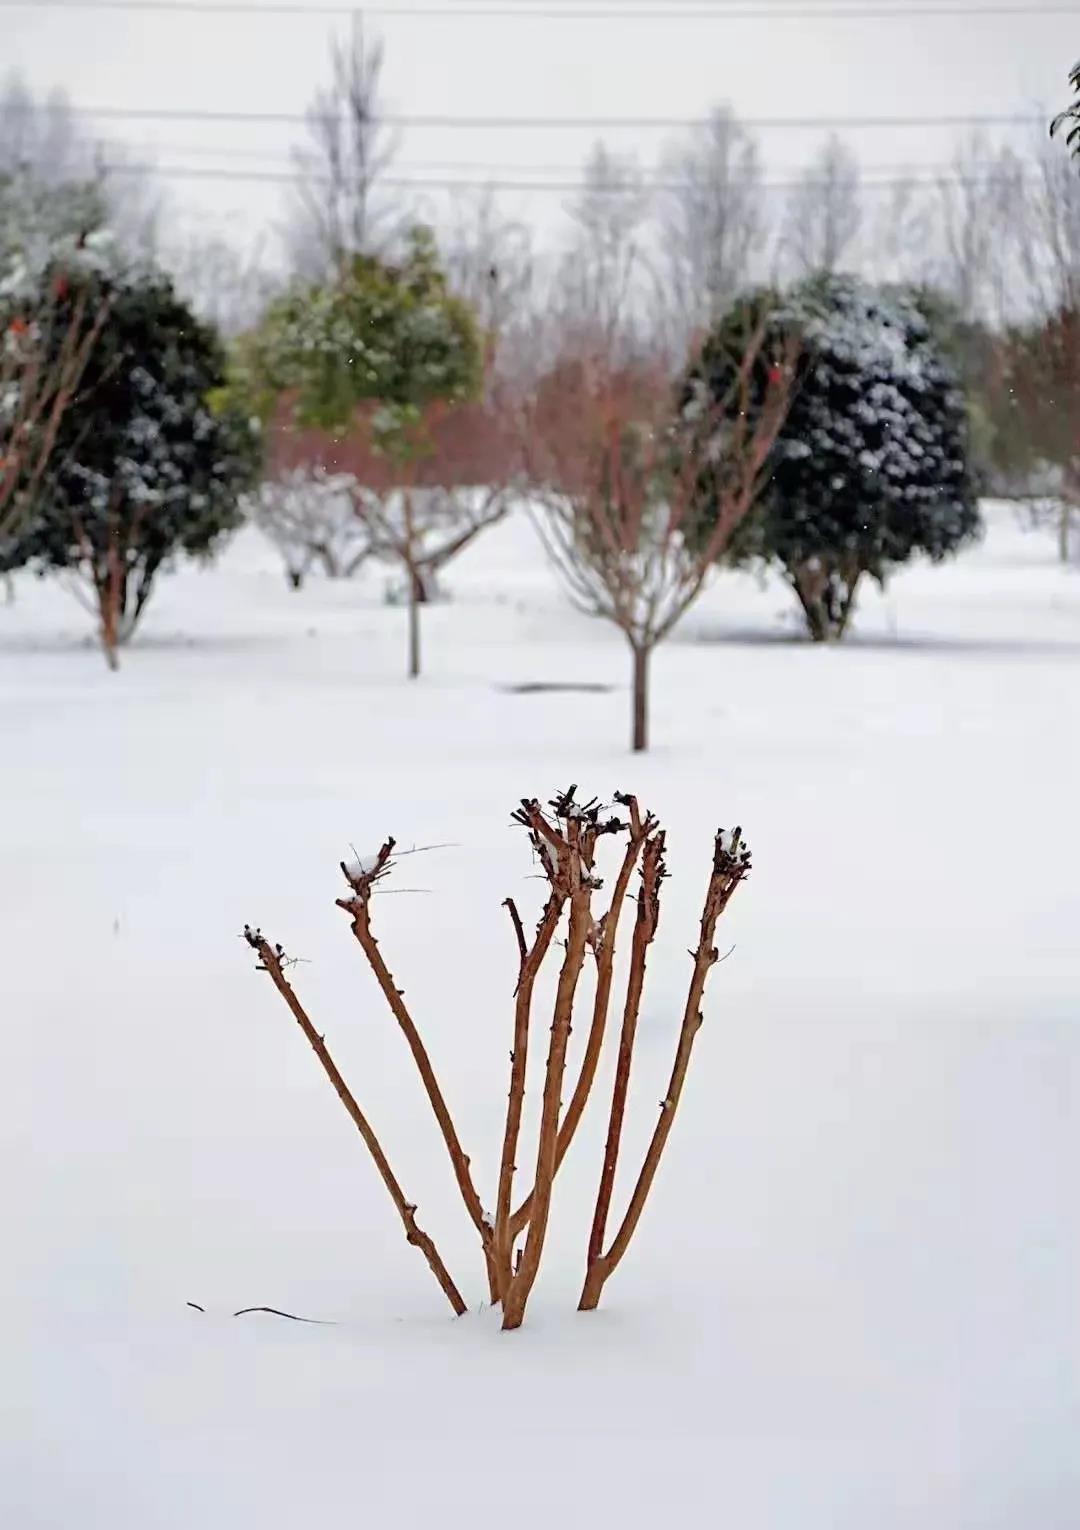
(854,1300)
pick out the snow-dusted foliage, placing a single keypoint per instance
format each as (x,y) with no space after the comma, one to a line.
(144,465)
(872,463)
(377,334)
(310,517)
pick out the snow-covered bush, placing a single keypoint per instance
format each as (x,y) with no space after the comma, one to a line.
(309,516)
(871,465)
(144,466)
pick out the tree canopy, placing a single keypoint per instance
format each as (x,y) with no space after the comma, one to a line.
(871,465)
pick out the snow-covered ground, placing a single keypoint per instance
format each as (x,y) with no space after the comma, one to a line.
(854,1299)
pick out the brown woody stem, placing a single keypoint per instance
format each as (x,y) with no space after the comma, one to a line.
(521,1285)
(532,961)
(601,1004)
(731,864)
(272,960)
(648,913)
(361,927)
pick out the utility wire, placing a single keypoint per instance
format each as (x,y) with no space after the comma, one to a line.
(442,183)
(404,119)
(292,161)
(862,12)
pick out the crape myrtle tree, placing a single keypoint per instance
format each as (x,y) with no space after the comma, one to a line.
(375,354)
(307,513)
(143,466)
(618,464)
(45,345)
(1038,412)
(871,464)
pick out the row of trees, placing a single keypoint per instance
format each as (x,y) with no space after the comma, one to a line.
(823,428)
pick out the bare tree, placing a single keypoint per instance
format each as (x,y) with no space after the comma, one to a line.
(489,263)
(620,477)
(1049,234)
(308,515)
(824,214)
(225,284)
(711,223)
(979,202)
(900,244)
(420,528)
(55,175)
(1039,376)
(338,207)
(601,270)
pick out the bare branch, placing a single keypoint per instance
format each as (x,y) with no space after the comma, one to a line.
(273,961)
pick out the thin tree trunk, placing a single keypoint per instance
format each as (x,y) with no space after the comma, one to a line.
(848,609)
(109,602)
(1064,530)
(641,698)
(809,591)
(414,631)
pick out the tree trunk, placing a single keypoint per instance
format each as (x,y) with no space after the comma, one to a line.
(827,597)
(110,637)
(641,698)
(1064,530)
(809,586)
(847,609)
(414,627)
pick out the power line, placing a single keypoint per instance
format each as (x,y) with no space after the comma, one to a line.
(442,183)
(403,119)
(862,12)
(286,160)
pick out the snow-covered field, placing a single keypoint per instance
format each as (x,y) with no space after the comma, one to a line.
(854,1300)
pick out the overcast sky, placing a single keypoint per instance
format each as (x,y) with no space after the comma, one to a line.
(492,66)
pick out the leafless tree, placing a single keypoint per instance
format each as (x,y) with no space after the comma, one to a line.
(978,202)
(1049,233)
(309,516)
(54,172)
(420,527)
(339,208)
(602,268)
(490,264)
(226,285)
(824,213)
(710,225)
(901,238)
(619,476)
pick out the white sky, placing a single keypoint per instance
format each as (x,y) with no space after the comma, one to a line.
(515,66)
